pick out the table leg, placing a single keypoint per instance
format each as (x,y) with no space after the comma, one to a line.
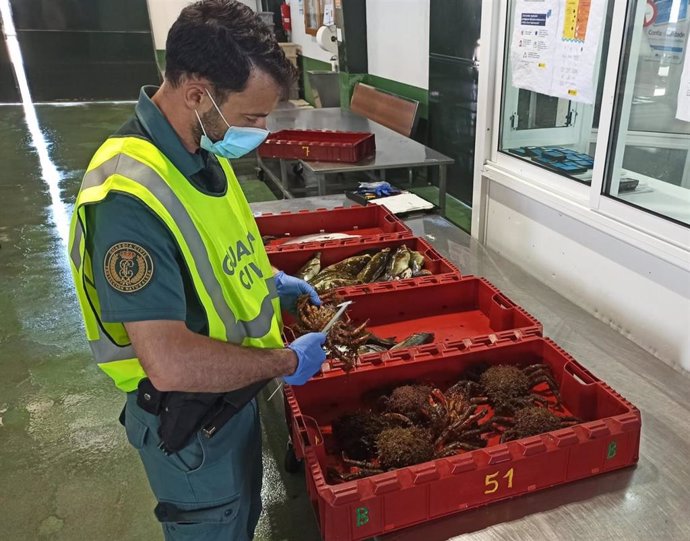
(442,179)
(321,184)
(270,175)
(283,174)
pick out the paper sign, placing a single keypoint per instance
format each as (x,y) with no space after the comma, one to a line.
(532,47)
(555,46)
(405,202)
(666,29)
(328,19)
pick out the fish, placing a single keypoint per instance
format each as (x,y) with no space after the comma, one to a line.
(396,262)
(402,261)
(423,272)
(321,237)
(416,339)
(352,265)
(311,268)
(407,273)
(416,261)
(331,275)
(378,341)
(333,283)
(375,267)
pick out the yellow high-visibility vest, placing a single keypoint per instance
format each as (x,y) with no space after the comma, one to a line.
(216,235)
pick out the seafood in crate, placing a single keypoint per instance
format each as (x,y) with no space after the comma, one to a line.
(606,438)
(402,315)
(368,262)
(416,423)
(336,227)
(345,341)
(380,266)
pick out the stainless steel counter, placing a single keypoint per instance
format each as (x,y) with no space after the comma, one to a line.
(648,502)
(392,149)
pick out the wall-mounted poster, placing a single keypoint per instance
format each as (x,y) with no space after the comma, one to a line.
(666,29)
(555,45)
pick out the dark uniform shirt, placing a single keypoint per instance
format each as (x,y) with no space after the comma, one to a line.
(121,218)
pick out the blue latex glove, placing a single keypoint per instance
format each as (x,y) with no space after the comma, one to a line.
(310,357)
(289,288)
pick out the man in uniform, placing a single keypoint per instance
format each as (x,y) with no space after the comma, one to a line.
(177,293)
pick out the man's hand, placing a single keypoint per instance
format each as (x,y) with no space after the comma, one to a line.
(290,288)
(310,357)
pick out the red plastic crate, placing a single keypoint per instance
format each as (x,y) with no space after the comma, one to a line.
(607,439)
(293,260)
(454,308)
(319,145)
(371,222)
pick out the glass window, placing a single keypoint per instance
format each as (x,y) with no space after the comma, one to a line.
(649,165)
(312,16)
(552,132)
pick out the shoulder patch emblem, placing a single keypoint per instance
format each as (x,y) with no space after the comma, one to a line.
(128,267)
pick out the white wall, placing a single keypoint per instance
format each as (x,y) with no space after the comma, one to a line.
(299,36)
(164,12)
(636,293)
(398,40)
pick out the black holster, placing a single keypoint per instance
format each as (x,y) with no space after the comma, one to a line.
(184,414)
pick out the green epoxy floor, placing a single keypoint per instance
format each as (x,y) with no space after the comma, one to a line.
(456,211)
(66,469)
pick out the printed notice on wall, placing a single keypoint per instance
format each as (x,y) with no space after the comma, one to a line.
(683,109)
(328,16)
(555,46)
(666,29)
(533,44)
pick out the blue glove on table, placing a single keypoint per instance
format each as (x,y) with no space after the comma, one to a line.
(289,288)
(310,357)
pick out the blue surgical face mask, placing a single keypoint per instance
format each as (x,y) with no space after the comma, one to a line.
(236,142)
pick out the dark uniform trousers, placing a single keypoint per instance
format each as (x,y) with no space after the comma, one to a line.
(211,489)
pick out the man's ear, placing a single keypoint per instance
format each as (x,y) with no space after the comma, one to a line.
(194,92)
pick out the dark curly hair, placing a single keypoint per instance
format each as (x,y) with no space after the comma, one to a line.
(223,40)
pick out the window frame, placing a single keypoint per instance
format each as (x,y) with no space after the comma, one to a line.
(319,17)
(586,203)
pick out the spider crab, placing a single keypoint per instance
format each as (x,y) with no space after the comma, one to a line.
(451,418)
(509,388)
(343,340)
(530,421)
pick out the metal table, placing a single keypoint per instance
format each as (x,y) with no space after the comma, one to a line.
(392,149)
(649,501)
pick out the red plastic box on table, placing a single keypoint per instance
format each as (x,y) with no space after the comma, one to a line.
(319,145)
(289,230)
(452,307)
(291,261)
(607,438)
